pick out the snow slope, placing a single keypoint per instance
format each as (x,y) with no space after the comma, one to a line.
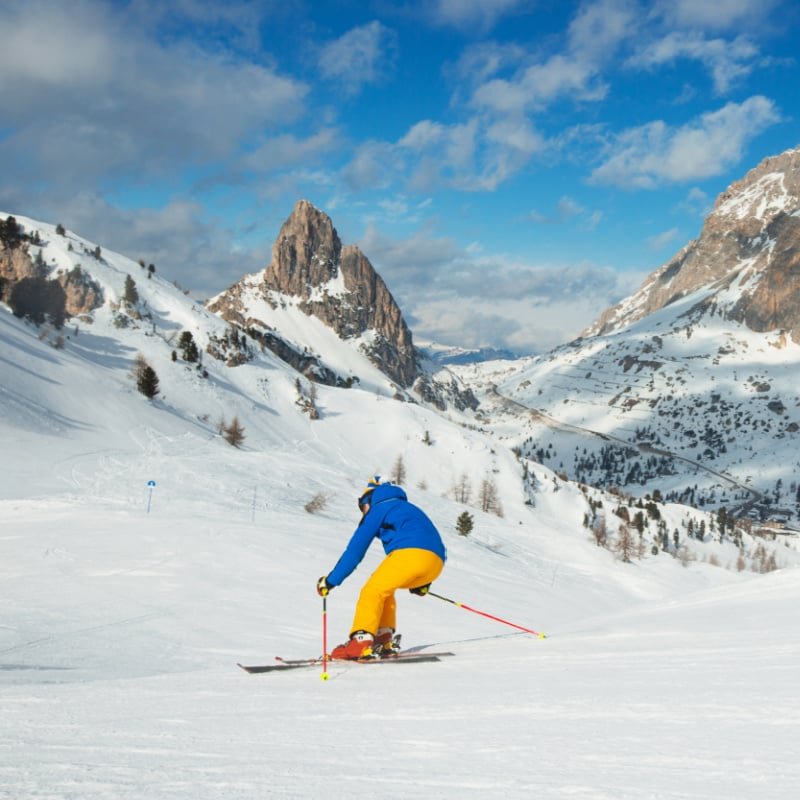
(711,407)
(126,606)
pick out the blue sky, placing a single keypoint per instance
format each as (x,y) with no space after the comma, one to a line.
(510,168)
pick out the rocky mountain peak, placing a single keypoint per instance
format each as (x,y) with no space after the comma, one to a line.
(747,256)
(306,253)
(311,269)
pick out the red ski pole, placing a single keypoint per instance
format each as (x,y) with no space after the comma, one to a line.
(324,675)
(484,614)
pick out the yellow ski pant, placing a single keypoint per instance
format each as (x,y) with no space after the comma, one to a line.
(401,569)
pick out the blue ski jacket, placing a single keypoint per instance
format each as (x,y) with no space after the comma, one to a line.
(396,522)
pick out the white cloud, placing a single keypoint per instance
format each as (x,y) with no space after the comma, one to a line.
(726,61)
(526,308)
(593,38)
(599,28)
(423,135)
(207,260)
(121,102)
(696,203)
(236,20)
(435,154)
(462,296)
(375,165)
(360,56)
(652,154)
(469,14)
(567,210)
(286,150)
(480,62)
(539,85)
(717,15)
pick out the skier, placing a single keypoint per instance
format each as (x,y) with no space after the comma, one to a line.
(415,556)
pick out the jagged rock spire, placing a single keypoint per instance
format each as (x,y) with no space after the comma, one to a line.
(306,253)
(335,283)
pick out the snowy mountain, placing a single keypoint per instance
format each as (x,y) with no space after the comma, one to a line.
(313,275)
(688,388)
(143,555)
(438,355)
(746,258)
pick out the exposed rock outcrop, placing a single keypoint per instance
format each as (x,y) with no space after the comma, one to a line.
(82,293)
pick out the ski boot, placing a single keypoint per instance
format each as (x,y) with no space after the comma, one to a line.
(387,643)
(359,647)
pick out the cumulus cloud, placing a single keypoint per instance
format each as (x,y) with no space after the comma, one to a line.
(719,15)
(567,208)
(452,295)
(599,28)
(726,61)
(286,150)
(119,101)
(362,55)
(207,261)
(538,85)
(546,310)
(434,155)
(696,203)
(655,153)
(469,14)
(375,165)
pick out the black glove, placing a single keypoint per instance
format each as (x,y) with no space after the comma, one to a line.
(421,590)
(323,588)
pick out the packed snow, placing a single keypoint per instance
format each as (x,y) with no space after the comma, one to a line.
(143,557)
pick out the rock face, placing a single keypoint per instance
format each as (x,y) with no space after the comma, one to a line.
(82,294)
(747,255)
(336,284)
(15,264)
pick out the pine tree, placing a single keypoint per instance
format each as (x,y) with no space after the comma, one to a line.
(147,381)
(11,233)
(465,523)
(188,347)
(131,294)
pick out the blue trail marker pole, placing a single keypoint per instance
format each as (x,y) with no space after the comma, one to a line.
(150,485)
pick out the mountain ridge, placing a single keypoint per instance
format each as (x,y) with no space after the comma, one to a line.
(677,381)
(690,383)
(751,239)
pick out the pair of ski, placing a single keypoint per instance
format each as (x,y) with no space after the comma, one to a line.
(299,663)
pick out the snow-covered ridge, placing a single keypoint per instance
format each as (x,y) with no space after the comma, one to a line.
(764,198)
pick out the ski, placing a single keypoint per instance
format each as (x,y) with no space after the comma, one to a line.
(400,658)
(405,656)
(275,667)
